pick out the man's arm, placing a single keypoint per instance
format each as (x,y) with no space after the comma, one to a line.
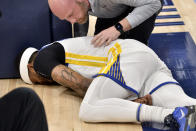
(143,10)
(69,78)
(108,35)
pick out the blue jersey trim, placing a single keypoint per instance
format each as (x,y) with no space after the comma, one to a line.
(67,64)
(119,82)
(165,83)
(138,112)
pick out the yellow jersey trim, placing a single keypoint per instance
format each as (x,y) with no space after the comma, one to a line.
(87,57)
(85,63)
(71,58)
(116,50)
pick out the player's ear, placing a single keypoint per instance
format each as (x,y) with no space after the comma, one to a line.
(31,73)
(30,67)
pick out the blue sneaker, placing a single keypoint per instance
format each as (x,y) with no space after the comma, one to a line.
(183,118)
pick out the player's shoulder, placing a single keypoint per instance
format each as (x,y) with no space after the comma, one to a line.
(127,41)
(131,44)
(76,40)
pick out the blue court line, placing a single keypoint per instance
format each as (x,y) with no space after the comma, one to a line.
(178,51)
(195,1)
(169,23)
(167,2)
(168,16)
(168,10)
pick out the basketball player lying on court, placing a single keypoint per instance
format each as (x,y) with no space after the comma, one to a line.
(114,75)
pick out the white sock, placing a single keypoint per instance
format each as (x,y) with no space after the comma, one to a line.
(153,113)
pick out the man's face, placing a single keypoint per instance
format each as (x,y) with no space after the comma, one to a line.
(70,10)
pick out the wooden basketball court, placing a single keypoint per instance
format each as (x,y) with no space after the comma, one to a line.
(62,106)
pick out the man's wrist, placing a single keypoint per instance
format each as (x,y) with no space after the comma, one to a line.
(119,28)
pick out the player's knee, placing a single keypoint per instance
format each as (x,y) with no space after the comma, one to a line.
(85,112)
(150,59)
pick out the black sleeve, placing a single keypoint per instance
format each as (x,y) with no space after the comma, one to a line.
(49,57)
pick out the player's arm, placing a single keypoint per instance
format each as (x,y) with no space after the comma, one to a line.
(69,78)
(50,63)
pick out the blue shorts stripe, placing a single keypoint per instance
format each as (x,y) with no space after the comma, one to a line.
(165,83)
(118,82)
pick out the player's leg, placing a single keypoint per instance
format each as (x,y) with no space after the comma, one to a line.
(166,92)
(22,110)
(171,95)
(183,118)
(137,67)
(105,102)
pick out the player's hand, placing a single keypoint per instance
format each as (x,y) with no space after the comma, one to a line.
(105,37)
(147,99)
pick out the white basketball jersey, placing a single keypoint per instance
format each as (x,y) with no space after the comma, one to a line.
(83,57)
(115,61)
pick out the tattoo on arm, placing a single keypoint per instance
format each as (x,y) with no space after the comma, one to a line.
(69,78)
(67,75)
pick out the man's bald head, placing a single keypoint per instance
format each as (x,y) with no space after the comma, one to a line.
(59,7)
(74,11)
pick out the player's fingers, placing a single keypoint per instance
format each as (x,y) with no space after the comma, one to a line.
(149,99)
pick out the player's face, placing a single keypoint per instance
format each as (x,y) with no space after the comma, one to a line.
(70,10)
(36,78)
